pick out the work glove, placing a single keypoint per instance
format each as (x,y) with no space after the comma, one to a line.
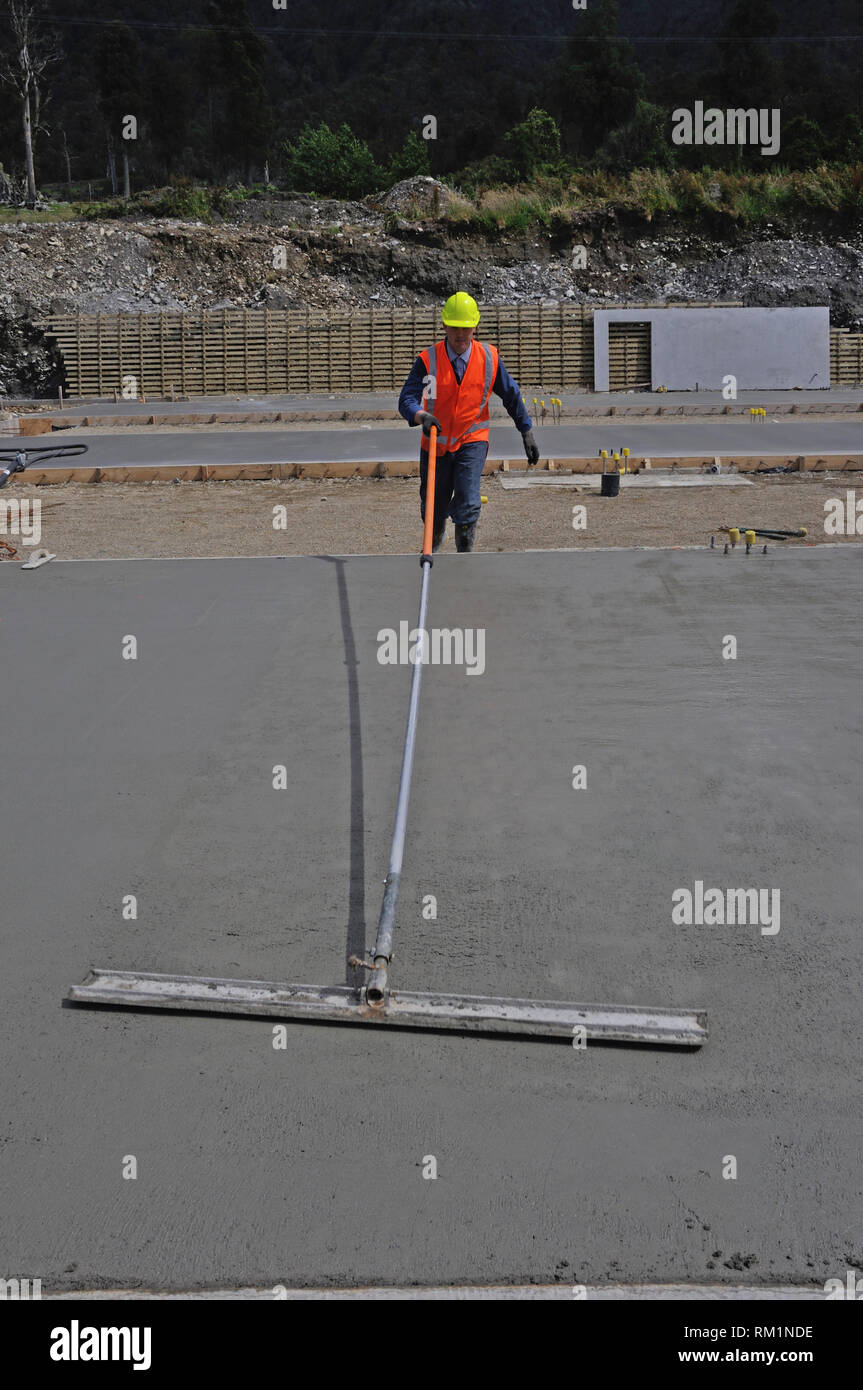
(530,447)
(427,420)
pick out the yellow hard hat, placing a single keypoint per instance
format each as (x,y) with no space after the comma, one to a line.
(460,311)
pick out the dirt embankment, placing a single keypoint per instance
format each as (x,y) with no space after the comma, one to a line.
(301,252)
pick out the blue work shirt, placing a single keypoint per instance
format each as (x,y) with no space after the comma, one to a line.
(410,400)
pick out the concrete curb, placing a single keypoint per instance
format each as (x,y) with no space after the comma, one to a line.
(409,468)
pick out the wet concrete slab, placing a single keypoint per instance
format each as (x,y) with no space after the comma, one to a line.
(387,400)
(728,439)
(256,1165)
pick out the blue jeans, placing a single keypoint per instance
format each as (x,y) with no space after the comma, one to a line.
(457,484)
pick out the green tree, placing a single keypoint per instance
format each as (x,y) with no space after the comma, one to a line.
(642,143)
(598,81)
(747,73)
(849,140)
(411,159)
(533,143)
(803,144)
(118,66)
(331,163)
(170,104)
(243,125)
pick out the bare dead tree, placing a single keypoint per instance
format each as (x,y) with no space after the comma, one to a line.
(68,162)
(32,51)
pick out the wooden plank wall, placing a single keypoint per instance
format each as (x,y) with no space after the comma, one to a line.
(846,357)
(628,356)
(222,351)
(263,351)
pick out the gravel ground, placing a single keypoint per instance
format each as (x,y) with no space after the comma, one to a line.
(381,516)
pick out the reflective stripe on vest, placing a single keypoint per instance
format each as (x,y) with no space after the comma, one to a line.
(432,375)
(447,442)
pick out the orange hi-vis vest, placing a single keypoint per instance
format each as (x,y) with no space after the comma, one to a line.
(461,406)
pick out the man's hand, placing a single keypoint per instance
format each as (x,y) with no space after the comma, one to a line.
(530,447)
(426,419)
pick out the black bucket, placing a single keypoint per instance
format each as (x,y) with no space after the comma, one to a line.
(610,485)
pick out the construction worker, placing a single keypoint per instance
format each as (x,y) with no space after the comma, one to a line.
(449,387)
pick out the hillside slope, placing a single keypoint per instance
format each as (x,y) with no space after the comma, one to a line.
(354,255)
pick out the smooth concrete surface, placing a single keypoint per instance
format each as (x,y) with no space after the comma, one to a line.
(667,439)
(769,349)
(304,1166)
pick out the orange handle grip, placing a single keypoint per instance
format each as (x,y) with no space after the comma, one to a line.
(430,481)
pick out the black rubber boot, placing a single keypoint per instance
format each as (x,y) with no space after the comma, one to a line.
(465,537)
(438,539)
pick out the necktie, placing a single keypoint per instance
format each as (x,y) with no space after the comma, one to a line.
(458,366)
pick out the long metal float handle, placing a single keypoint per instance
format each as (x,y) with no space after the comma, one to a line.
(376,989)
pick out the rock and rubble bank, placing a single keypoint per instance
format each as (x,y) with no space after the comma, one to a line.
(397,250)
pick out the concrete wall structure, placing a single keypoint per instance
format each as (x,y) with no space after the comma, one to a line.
(694,349)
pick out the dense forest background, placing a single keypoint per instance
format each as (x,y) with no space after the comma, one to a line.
(228,91)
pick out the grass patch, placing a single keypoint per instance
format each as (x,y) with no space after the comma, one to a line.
(507,209)
(197,202)
(57,212)
(739,196)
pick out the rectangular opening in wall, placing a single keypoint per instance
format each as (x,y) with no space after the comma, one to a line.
(629,356)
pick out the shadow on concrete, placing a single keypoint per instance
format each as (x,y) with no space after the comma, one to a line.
(356,924)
